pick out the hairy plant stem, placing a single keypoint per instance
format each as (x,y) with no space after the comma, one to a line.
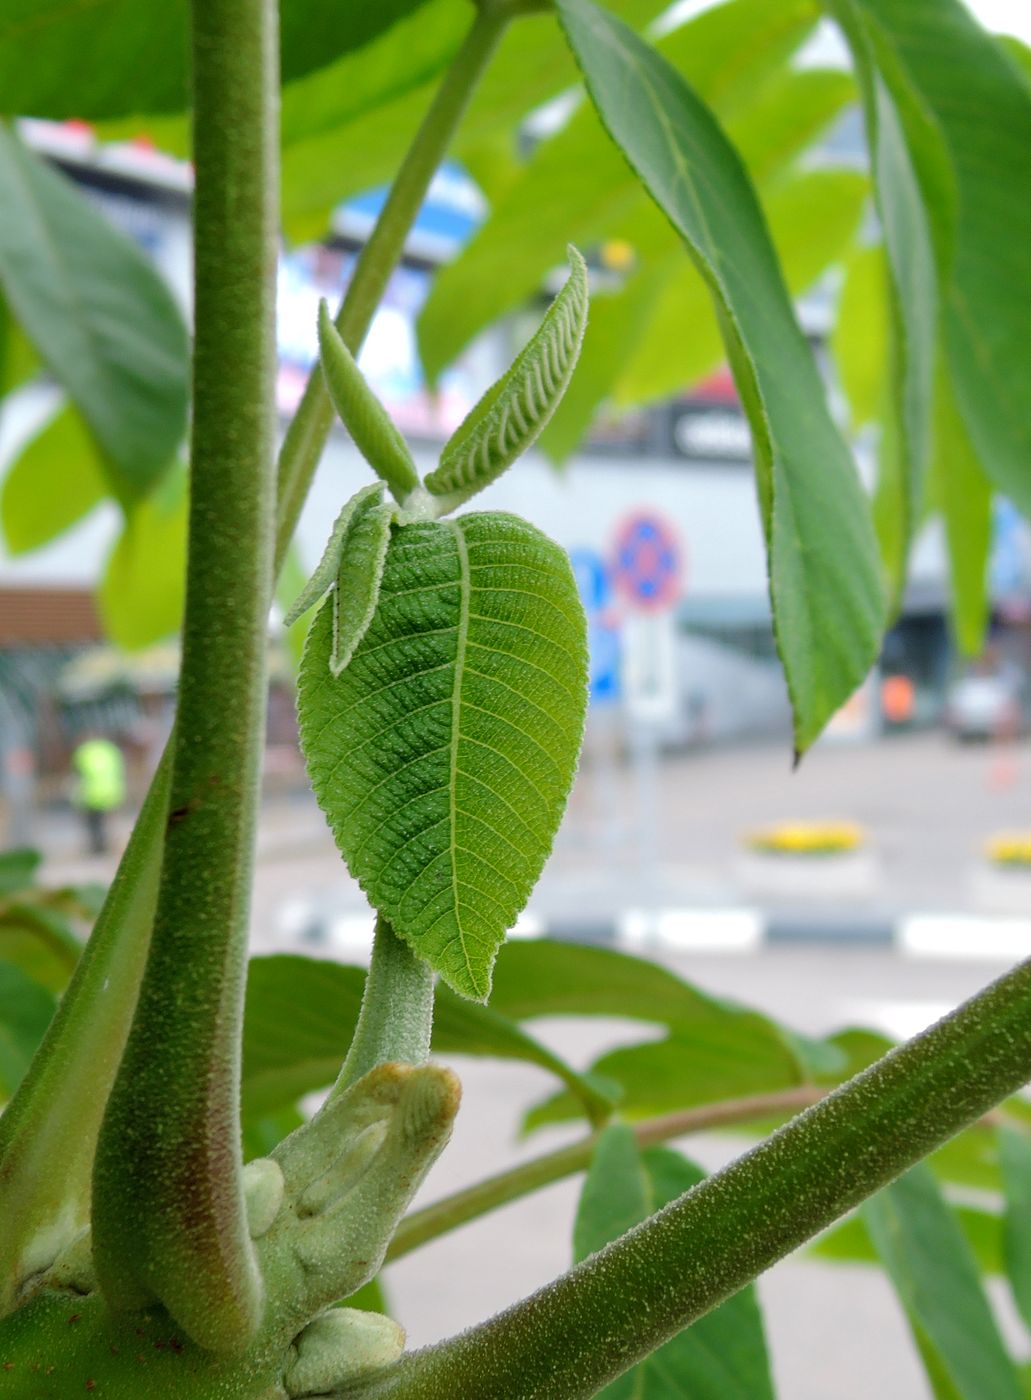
(589,1326)
(309,429)
(448,1214)
(169,1217)
(396,1015)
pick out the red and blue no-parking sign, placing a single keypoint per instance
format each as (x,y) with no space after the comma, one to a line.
(647,564)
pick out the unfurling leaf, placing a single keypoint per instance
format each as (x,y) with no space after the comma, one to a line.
(364,417)
(325,575)
(444,752)
(511,414)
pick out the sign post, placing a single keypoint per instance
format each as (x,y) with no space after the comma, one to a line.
(648,574)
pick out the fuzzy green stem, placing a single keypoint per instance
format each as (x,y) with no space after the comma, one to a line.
(49,1130)
(169,1217)
(309,429)
(448,1214)
(589,1326)
(397,1010)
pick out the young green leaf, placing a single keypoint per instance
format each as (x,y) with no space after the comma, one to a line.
(723,1355)
(824,576)
(325,576)
(444,753)
(364,417)
(511,414)
(358,582)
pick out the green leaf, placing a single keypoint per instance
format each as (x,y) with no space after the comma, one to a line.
(444,753)
(510,415)
(325,576)
(914,194)
(142,591)
(922,1247)
(824,577)
(860,334)
(18,869)
(39,941)
(18,359)
(25,1012)
(118,57)
(374,433)
(812,214)
(1015,1161)
(963,493)
(849,1241)
(577,188)
(530,64)
(52,484)
(983,232)
(358,583)
(300,1017)
(723,1355)
(715,1049)
(99,315)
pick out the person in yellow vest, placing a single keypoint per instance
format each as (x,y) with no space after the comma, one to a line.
(99,770)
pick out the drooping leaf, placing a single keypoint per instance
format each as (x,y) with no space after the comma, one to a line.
(99,315)
(975,188)
(25,1012)
(812,215)
(117,57)
(824,577)
(927,1258)
(963,494)
(301,1013)
(1015,1161)
(443,755)
(52,484)
(511,414)
(723,1355)
(914,197)
(576,186)
(373,430)
(142,591)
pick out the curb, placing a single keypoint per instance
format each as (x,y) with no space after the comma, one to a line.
(734,931)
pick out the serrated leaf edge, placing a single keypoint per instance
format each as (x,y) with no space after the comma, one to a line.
(513,412)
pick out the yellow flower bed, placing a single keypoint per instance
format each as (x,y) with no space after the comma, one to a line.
(808,838)
(1010,848)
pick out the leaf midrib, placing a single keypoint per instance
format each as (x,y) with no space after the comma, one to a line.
(461,643)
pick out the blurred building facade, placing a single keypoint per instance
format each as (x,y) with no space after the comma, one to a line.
(688,462)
